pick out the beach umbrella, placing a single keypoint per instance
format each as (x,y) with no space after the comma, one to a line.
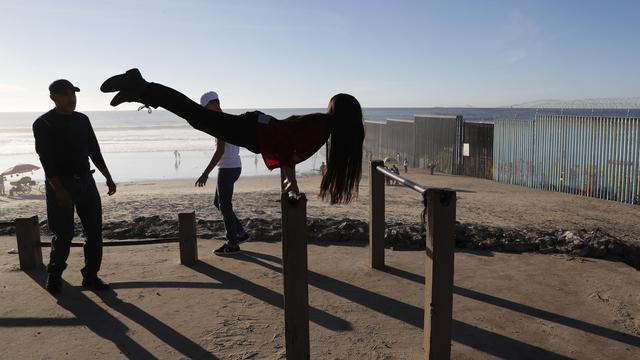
(19,169)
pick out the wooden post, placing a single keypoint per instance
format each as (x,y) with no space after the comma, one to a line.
(376,215)
(188,242)
(294,270)
(441,220)
(28,236)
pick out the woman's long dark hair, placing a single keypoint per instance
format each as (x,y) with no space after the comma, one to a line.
(344,158)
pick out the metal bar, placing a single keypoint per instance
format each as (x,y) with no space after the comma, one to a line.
(121,242)
(413,185)
(6,223)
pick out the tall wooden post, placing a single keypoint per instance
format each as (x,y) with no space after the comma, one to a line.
(28,237)
(441,220)
(376,215)
(294,269)
(188,241)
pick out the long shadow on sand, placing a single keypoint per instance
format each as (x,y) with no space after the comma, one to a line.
(483,340)
(231,281)
(526,309)
(105,325)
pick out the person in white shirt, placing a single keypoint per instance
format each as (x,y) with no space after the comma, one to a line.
(227,158)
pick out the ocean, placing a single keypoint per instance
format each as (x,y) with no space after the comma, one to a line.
(141,146)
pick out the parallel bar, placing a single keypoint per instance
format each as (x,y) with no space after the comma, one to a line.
(411,184)
(294,270)
(439,262)
(6,223)
(121,242)
(376,215)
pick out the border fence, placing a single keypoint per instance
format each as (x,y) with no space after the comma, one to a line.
(595,156)
(592,156)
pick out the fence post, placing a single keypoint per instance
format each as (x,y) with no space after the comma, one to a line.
(28,237)
(188,242)
(294,270)
(441,220)
(376,216)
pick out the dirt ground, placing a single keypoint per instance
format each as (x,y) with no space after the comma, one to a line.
(527,306)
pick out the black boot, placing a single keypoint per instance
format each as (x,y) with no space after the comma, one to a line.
(130,86)
(130,81)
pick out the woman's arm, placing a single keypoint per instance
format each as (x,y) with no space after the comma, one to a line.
(217,155)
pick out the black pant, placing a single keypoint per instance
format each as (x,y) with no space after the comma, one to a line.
(87,203)
(238,130)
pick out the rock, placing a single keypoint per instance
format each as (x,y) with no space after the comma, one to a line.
(518,247)
(582,252)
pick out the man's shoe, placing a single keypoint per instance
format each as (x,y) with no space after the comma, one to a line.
(95,284)
(54,283)
(243,237)
(227,249)
(130,81)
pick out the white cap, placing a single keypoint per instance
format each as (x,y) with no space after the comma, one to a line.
(208,96)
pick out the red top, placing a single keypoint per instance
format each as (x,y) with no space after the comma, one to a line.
(291,141)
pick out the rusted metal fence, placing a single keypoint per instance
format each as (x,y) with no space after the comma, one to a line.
(478,150)
(428,139)
(593,156)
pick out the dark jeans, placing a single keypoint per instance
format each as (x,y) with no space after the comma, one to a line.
(223,202)
(87,203)
(238,130)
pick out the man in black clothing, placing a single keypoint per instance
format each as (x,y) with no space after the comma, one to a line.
(65,141)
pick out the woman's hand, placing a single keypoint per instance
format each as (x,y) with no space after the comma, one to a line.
(202,180)
(291,185)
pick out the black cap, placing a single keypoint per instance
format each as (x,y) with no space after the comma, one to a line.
(61,86)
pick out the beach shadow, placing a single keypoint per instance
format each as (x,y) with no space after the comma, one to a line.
(472,336)
(162,331)
(95,318)
(231,281)
(526,309)
(108,327)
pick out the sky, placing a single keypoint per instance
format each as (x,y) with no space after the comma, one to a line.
(270,54)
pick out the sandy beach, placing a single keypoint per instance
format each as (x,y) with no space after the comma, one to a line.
(231,308)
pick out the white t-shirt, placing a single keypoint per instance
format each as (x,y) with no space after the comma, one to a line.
(231,157)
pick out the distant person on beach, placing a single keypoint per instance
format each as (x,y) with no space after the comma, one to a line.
(283,144)
(323,168)
(65,141)
(405,163)
(227,158)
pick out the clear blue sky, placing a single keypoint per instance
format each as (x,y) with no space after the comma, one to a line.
(299,53)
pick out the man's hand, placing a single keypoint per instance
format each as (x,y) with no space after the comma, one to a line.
(63,198)
(202,180)
(112,186)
